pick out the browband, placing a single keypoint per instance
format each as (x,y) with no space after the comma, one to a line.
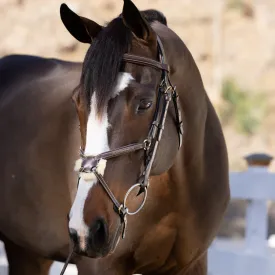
(140,60)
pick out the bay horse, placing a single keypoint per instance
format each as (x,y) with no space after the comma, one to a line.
(117,93)
(132,135)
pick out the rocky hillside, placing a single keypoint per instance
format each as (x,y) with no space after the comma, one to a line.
(232,41)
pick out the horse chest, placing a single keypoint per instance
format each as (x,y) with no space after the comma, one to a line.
(155,248)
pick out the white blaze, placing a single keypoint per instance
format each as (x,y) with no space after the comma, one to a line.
(96,143)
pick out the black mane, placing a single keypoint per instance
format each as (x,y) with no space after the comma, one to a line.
(103,60)
(154,15)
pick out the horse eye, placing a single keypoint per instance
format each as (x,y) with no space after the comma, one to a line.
(144,104)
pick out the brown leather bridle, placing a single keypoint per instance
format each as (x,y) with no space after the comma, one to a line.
(166,93)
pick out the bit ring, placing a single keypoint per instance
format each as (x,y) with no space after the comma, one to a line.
(142,203)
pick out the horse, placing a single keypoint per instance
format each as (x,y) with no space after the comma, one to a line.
(153,168)
(44,205)
(38,124)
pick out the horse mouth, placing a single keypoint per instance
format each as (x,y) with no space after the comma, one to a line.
(92,253)
(110,249)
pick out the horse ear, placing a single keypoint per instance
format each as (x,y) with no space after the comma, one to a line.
(133,19)
(81,28)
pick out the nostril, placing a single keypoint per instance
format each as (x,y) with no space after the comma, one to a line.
(73,235)
(99,233)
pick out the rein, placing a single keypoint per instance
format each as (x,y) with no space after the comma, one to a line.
(67,262)
(91,166)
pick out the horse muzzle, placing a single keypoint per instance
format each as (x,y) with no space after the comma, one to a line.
(98,241)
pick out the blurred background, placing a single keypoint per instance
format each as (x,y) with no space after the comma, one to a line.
(232,42)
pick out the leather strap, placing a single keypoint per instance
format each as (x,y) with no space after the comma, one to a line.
(90,161)
(144,61)
(175,96)
(179,123)
(120,209)
(161,50)
(107,190)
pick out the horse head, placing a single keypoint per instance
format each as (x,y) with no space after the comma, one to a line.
(129,131)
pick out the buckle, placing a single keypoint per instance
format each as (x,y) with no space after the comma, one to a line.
(146,144)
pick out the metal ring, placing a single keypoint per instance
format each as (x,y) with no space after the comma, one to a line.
(143,201)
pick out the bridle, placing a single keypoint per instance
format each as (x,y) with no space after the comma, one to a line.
(90,164)
(166,93)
